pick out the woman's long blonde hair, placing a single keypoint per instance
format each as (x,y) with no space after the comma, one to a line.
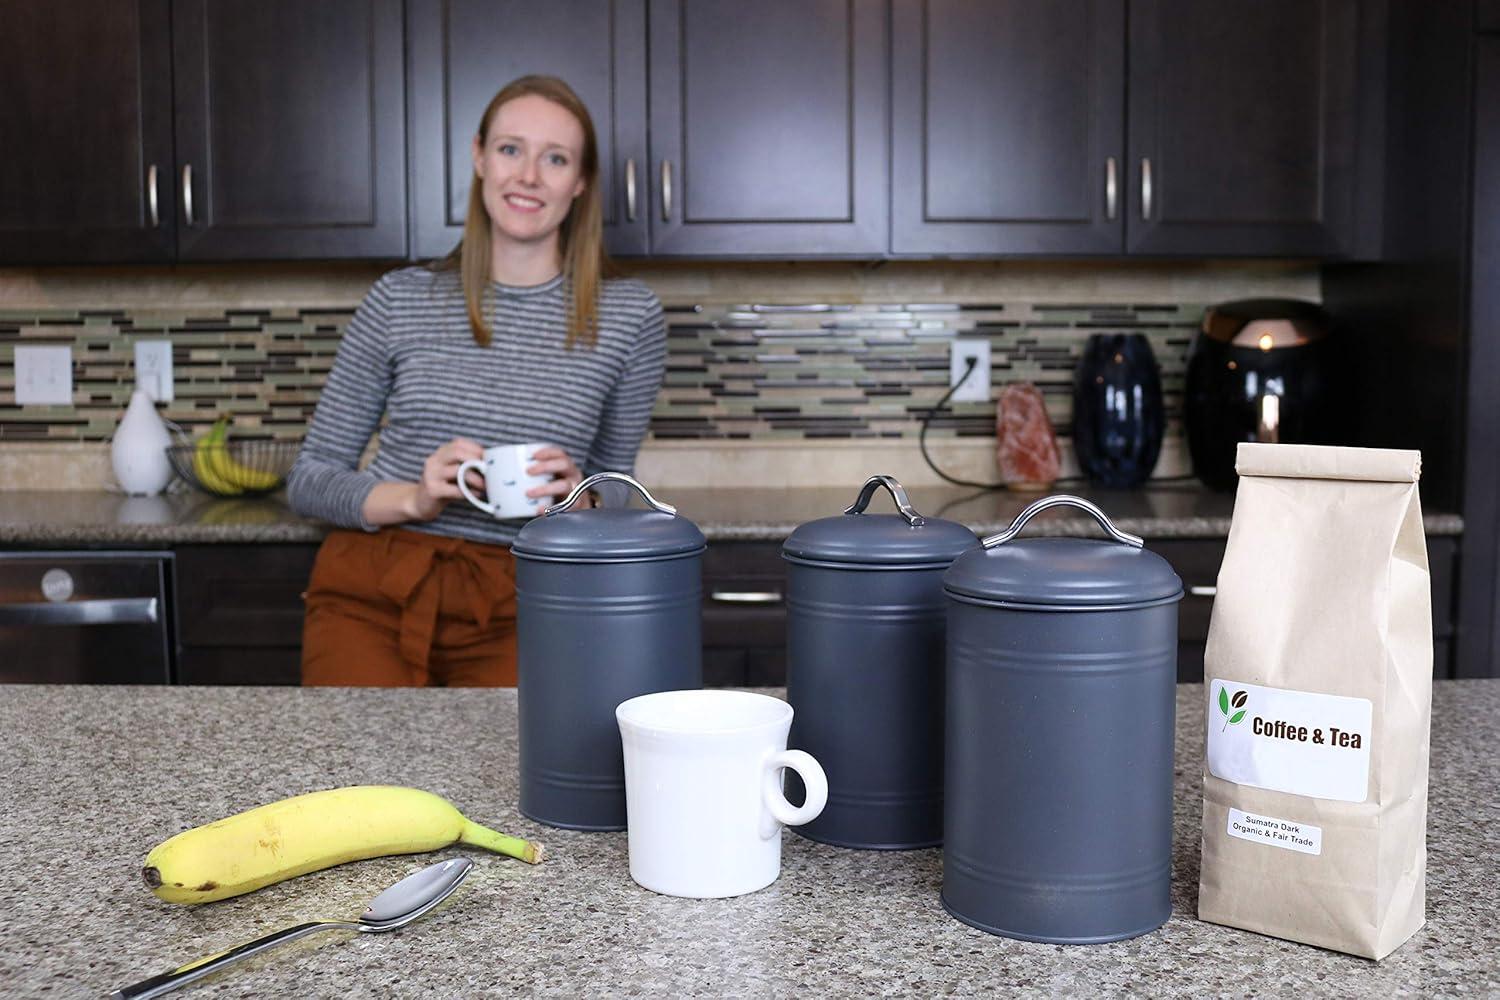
(585,263)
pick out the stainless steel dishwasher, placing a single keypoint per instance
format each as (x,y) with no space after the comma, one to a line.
(85,617)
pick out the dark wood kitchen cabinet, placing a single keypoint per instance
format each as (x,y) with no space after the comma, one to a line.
(1244,126)
(1251,127)
(744,614)
(290,129)
(461,52)
(744,607)
(1007,126)
(768,128)
(235,129)
(239,612)
(86,126)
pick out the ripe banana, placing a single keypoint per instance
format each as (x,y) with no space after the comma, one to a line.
(308,833)
(237,473)
(207,454)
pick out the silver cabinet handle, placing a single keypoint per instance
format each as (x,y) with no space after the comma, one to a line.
(630,189)
(746,596)
(1111,190)
(151,204)
(187,192)
(1146,188)
(666,190)
(118,611)
(1203,591)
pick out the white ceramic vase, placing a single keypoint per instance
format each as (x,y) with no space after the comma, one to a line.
(139,450)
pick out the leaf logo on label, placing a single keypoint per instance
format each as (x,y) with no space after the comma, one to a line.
(1239,701)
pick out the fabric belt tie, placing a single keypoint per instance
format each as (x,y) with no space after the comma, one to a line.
(411,583)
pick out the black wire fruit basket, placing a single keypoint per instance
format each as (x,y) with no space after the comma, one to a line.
(234,468)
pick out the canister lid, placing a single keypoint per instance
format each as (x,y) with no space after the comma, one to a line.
(902,539)
(1063,572)
(608,534)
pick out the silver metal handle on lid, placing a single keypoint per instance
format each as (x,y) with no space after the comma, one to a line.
(608,477)
(1062,500)
(897,494)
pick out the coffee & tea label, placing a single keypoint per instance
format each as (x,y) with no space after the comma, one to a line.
(1299,742)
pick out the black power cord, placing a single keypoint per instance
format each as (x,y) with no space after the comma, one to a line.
(972,363)
(927,420)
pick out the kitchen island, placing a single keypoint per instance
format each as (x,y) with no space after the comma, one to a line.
(95,776)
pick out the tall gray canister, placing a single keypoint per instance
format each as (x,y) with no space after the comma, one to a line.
(1062,664)
(865,625)
(608,606)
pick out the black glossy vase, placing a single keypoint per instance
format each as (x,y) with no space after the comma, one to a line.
(1118,416)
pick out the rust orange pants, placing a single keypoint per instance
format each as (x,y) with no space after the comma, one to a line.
(401,608)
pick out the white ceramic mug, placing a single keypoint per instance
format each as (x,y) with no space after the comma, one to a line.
(703,790)
(505,481)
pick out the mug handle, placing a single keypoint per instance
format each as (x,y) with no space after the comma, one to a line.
(813,779)
(463,487)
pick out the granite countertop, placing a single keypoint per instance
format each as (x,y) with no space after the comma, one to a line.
(1169,510)
(95,776)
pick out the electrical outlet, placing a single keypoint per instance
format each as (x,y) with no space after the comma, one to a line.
(44,376)
(153,369)
(976,388)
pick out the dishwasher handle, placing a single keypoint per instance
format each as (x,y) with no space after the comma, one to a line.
(114,611)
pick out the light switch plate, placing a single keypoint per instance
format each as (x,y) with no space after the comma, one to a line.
(976,388)
(44,376)
(153,369)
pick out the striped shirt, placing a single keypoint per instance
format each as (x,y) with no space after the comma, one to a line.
(408,353)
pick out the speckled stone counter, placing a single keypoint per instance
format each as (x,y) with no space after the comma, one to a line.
(93,777)
(62,518)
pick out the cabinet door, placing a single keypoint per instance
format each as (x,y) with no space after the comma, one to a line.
(768,127)
(1242,127)
(86,126)
(290,129)
(1008,122)
(239,613)
(1479,563)
(462,51)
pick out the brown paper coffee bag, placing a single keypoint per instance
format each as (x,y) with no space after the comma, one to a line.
(1318,679)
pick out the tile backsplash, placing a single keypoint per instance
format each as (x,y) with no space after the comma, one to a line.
(757,353)
(737,371)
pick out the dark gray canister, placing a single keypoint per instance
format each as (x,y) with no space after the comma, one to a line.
(608,606)
(1062,662)
(865,625)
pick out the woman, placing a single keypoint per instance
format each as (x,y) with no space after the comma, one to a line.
(514,337)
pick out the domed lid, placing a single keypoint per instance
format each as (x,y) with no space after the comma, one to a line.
(1266,324)
(608,534)
(1063,572)
(905,538)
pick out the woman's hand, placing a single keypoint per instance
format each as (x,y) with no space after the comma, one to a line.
(554,461)
(439,482)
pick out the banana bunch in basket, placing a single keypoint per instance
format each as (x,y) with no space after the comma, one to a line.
(221,473)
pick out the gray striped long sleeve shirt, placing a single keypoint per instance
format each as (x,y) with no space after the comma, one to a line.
(408,353)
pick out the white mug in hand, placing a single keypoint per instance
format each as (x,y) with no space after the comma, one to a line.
(506,481)
(703,795)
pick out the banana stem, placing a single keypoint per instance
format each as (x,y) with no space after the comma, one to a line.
(516,847)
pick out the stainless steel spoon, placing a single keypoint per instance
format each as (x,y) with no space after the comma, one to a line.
(398,906)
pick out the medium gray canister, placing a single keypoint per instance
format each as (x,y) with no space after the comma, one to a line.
(608,606)
(865,624)
(1062,663)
